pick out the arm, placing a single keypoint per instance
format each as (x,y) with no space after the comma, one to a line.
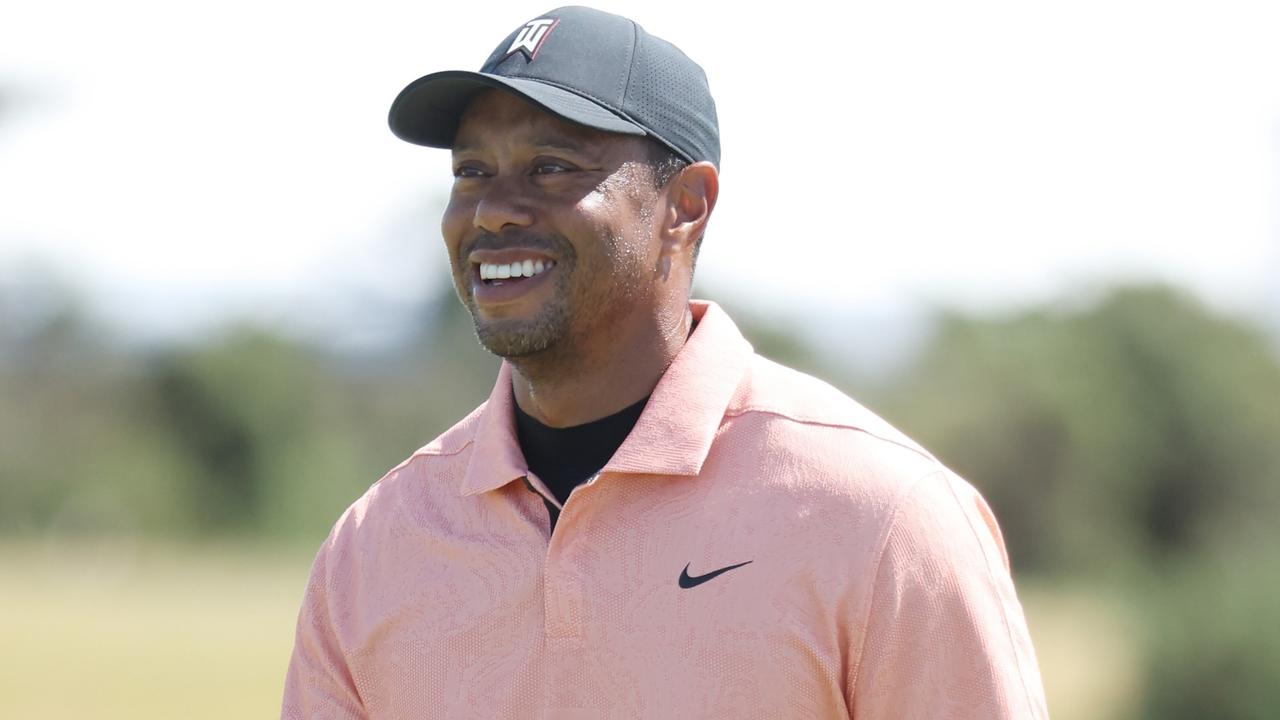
(319,684)
(945,636)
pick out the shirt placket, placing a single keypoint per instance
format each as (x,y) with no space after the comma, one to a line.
(561,584)
(564,605)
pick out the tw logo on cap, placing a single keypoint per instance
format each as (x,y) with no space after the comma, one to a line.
(531,37)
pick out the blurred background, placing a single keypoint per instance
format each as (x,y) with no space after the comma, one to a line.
(1042,239)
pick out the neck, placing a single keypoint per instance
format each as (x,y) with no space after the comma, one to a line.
(588,381)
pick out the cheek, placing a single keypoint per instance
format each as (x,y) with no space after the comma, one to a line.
(621,221)
(453,225)
(596,206)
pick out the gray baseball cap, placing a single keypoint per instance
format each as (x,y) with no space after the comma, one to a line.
(586,66)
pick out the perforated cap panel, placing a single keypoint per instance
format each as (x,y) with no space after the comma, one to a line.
(671,97)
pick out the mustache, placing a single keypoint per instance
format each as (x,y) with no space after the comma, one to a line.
(553,244)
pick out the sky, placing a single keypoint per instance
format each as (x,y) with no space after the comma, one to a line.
(182,163)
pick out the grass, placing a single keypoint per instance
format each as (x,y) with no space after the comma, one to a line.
(145,632)
(166,631)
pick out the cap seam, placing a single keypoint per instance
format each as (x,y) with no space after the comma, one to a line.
(604,103)
(631,62)
(616,111)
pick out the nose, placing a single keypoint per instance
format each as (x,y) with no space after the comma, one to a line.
(502,204)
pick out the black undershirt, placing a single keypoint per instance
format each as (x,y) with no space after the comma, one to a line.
(564,458)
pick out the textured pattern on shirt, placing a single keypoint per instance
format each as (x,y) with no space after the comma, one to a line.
(878,585)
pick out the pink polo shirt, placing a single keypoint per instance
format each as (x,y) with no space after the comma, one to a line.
(760,546)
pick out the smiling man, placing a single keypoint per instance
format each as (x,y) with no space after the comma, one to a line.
(645,519)
(556,234)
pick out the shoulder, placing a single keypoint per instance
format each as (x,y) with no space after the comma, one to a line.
(775,389)
(862,455)
(391,506)
(807,450)
(804,415)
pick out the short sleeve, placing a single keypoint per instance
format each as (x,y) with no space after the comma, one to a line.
(318,685)
(946,637)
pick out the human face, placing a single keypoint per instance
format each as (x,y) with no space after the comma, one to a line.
(575,206)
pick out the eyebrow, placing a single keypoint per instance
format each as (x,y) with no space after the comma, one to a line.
(552,142)
(558,142)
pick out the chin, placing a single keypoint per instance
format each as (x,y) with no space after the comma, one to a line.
(511,338)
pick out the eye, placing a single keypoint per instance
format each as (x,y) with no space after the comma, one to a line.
(467,171)
(550,167)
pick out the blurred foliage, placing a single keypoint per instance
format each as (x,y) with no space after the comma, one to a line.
(248,431)
(1129,442)
(1130,432)
(1213,635)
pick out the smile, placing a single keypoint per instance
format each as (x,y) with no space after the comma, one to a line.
(527,268)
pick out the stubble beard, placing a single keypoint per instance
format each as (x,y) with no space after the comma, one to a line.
(523,338)
(548,336)
(515,339)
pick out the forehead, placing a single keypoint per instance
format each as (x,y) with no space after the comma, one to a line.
(496,117)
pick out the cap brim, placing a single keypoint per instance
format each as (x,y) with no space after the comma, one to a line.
(427,111)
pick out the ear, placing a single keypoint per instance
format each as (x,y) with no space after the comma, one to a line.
(690,198)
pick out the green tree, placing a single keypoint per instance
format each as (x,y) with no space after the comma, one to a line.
(1130,431)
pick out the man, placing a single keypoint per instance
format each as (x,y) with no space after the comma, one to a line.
(645,519)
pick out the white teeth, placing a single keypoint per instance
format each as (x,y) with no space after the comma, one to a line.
(524,268)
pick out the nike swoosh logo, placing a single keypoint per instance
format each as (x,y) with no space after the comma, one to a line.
(687,582)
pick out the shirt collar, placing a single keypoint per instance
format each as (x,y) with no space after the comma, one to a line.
(672,436)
